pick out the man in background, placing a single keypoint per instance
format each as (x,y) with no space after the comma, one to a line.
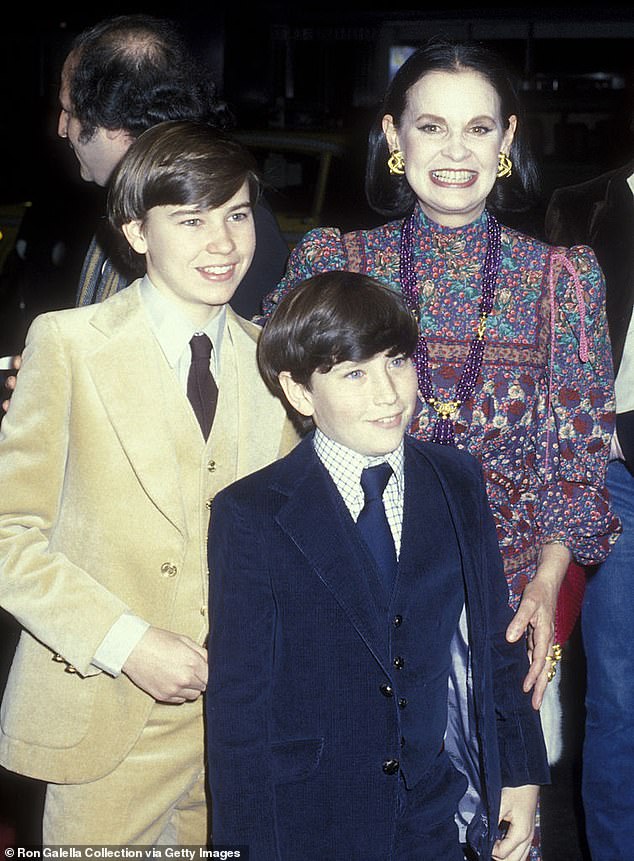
(600,213)
(122,76)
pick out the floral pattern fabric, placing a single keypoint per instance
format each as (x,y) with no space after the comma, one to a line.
(541,419)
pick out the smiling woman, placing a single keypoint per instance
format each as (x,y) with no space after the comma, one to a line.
(509,327)
(450,137)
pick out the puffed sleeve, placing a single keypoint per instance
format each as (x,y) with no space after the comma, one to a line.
(577,421)
(320,250)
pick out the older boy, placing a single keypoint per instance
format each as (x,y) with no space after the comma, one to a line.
(336,614)
(117,440)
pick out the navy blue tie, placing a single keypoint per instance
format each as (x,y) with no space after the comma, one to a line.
(373,523)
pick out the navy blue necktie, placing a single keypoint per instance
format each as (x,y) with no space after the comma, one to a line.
(373,523)
(201,386)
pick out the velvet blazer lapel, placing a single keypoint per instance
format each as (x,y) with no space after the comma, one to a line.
(316,519)
(417,489)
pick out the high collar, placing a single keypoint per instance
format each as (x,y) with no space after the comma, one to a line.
(474,229)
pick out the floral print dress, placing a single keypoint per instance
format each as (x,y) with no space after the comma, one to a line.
(541,418)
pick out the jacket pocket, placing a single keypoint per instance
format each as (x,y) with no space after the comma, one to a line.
(296,759)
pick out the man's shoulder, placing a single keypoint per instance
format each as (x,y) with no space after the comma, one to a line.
(593,189)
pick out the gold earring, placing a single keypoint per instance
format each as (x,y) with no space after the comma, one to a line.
(505,165)
(396,163)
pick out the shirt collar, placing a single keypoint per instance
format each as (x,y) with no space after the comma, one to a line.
(348,464)
(173,330)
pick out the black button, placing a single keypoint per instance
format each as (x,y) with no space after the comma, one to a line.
(402,741)
(402,703)
(386,690)
(391,766)
(399,663)
(397,621)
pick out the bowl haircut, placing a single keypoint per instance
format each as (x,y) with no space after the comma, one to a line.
(330,318)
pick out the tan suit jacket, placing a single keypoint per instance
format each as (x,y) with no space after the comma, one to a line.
(105,485)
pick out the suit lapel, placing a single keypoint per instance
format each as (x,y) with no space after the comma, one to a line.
(416,500)
(243,396)
(139,400)
(315,518)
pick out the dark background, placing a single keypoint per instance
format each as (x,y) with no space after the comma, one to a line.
(315,68)
(318,69)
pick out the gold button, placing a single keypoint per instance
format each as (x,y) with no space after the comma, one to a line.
(168,570)
(69,668)
(209,503)
(203,611)
(211,466)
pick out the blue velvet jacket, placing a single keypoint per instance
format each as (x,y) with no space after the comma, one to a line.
(301,648)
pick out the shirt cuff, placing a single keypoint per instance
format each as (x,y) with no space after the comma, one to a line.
(116,646)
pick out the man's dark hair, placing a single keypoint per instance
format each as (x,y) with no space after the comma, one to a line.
(134,71)
(330,318)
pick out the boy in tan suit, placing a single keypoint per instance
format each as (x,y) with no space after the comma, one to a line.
(108,474)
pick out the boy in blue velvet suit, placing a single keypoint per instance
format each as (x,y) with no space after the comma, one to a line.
(363,702)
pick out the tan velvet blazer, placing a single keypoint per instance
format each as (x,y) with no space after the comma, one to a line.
(105,487)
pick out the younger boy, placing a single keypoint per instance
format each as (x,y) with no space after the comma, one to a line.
(110,455)
(332,698)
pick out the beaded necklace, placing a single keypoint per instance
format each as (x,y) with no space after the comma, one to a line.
(443,431)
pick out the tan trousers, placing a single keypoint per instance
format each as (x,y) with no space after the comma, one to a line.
(156,796)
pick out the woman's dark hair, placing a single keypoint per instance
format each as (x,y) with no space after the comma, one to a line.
(333,317)
(131,72)
(391,195)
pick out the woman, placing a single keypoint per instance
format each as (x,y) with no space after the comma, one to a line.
(510,368)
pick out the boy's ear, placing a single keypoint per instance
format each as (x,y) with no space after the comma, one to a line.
(133,232)
(296,394)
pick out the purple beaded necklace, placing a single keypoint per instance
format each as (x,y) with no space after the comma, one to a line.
(443,432)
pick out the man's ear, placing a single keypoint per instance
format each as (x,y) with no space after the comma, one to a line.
(296,394)
(133,232)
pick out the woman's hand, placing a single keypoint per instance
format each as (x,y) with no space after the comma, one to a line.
(536,615)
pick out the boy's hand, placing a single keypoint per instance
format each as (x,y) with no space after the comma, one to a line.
(169,667)
(536,616)
(9,383)
(517,807)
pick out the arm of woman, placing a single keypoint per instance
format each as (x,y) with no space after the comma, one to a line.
(536,615)
(574,517)
(320,250)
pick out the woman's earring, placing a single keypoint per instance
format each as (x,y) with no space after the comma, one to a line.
(396,163)
(505,166)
